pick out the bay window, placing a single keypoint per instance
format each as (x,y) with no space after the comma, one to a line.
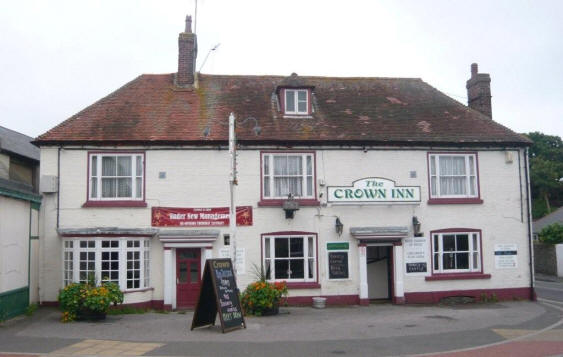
(286,174)
(124,261)
(291,258)
(456,252)
(453,175)
(116,176)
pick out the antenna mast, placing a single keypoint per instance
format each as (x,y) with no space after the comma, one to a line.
(195,18)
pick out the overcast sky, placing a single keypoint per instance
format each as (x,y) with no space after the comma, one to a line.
(58,57)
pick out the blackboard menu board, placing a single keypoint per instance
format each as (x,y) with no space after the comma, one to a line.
(338,265)
(219,293)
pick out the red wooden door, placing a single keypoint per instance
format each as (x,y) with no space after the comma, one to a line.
(188,276)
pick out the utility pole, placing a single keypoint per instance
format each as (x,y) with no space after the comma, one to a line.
(232,184)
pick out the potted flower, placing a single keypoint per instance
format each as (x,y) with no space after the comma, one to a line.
(86,301)
(262,298)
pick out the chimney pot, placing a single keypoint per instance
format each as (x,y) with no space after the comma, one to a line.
(188,24)
(474,69)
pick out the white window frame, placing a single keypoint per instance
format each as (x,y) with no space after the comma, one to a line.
(438,252)
(347,251)
(295,94)
(144,259)
(268,172)
(306,256)
(137,193)
(435,157)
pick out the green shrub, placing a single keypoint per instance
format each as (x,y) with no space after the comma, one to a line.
(261,296)
(552,234)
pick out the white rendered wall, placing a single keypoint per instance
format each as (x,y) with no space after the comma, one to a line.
(14,243)
(199,178)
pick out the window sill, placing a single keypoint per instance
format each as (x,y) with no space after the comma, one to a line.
(454,201)
(114,204)
(279,203)
(303,285)
(457,276)
(130,291)
(297,116)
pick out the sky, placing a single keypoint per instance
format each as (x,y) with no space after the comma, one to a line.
(57,57)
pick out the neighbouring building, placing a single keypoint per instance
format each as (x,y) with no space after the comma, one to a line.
(19,223)
(348,188)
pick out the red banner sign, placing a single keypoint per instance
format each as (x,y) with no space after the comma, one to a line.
(199,217)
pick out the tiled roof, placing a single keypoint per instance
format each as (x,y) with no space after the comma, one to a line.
(379,111)
(17,143)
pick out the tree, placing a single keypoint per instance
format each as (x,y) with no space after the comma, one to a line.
(546,170)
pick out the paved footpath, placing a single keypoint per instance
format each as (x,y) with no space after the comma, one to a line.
(500,329)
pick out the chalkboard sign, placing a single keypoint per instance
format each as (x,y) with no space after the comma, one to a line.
(338,265)
(219,293)
(416,267)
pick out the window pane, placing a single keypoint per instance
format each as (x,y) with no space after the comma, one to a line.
(194,272)
(94,166)
(302,107)
(462,260)
(294,166)
(436,246)
(475,242)
(309,165)
(472,186)
(471,165)
(280,165)
(297,268)
(108,166)
(448,242)
(436,261)
(281,247)
(309,186)
(268,270)
(302,95)
(462,242)
(124,187)
(139,166)
(311,268)
(296,247)
(94,187)
(266,164)
(108,187)
(266,187)
(453,185)
(139,187)
(448,261)
(124,166)
(281,268)
(289,101)
(433,185)
(432,165)
(267,248)
(311,247)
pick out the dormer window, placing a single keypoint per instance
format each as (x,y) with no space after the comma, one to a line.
(296,101)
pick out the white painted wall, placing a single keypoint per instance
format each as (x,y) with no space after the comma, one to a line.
(199,178)
(14,242)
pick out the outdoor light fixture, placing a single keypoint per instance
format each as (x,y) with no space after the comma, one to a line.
(290,206)
(339,226)
(416,226)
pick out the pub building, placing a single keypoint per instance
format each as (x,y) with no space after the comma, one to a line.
(352,189)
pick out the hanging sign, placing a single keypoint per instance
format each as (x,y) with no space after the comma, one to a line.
(218,294)
(506,256)
(373,190)
(416,255)
(199,217)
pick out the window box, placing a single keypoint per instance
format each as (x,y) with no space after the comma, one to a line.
(116,179)
(453,178)
(296,102)
(291,257)
(288,173)
(457,254)
(124,261)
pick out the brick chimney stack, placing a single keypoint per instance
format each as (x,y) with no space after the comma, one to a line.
(187,54)
(479,91)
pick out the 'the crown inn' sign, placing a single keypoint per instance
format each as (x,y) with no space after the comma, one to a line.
(374,190)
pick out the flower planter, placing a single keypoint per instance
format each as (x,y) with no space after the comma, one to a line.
(274,310)
(90,315)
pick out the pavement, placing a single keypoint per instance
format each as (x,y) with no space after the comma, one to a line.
(516,328)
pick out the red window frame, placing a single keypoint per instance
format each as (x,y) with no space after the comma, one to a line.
(454,200)
(295,285)
(457,275)
(278,202)
(309,105)
(115,203)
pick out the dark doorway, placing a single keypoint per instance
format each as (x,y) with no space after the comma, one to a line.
(379,272)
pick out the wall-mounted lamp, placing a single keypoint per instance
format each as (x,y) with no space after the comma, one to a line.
(290,206)
(339,226)
(416,227)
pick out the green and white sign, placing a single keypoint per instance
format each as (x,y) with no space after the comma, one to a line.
(374,190)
